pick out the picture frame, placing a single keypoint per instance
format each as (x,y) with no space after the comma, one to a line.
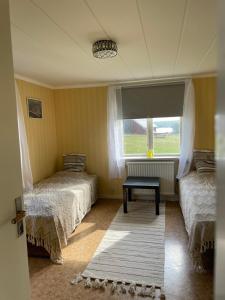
(34,108)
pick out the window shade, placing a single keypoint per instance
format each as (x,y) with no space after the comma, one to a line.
(153,101)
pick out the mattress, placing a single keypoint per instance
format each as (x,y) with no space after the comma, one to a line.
(198,205)
(55,207)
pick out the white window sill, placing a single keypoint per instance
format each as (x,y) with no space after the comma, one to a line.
(145,158)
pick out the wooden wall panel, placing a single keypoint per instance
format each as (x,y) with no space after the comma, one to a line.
(81,116)
(41,133)
(205,95)
(75,120)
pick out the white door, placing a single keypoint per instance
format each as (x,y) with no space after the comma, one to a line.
(14,276)
(220,153)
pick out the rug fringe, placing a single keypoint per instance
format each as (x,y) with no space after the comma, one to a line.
(77,279)
(114,287)
(132,289)
(119,287)
(88,283)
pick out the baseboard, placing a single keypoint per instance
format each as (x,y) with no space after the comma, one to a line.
(107,196)
(164,197)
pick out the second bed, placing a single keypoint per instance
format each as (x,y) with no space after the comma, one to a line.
(198,205)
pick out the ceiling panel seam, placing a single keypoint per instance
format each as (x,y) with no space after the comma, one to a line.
(106,33)
(64,31)
(208,50)
(184,22)
(99,18)
(144,37)
(31,38)
(25,33)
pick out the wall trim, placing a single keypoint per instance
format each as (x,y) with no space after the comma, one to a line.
(108,196)
(163,79)
(30,80)
(205,75)
(81,86)
(110,83)
(141,81)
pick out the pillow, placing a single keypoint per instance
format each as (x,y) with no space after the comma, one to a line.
(205,166)
(74,162)
(203,155)
(204,161)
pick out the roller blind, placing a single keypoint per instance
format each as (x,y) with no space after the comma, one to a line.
(153,101)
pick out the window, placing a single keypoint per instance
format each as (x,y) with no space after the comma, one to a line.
(160,134)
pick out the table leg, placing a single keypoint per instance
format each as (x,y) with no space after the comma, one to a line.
(125,200)
(157,200)
(129,194)
(159,194)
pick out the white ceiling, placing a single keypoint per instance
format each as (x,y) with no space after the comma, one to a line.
(52,39)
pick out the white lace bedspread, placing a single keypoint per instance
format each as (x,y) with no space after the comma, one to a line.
(55,207)
(198,204)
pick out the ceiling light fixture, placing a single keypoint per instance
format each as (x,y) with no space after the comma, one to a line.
(104,49)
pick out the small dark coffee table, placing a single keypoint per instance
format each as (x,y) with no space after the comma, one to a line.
(131,182)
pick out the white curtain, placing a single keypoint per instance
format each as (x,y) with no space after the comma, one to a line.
(115,133)
(187,130)
(24,151)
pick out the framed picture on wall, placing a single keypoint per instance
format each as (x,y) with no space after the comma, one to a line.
(34,108)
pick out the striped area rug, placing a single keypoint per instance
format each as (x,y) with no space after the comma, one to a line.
(132,250)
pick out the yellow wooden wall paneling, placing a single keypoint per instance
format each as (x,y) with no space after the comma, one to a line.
(205,95)
(41,133)
(81,116)
(75,120)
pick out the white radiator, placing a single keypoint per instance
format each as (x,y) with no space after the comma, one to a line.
(162,169)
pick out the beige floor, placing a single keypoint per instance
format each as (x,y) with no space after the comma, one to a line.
(50,281)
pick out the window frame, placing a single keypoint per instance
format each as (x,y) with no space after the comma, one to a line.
(149,140)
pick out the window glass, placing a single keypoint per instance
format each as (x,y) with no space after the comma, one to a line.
(165,133)
(166,136)
(135,136)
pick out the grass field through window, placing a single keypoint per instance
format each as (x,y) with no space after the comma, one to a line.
(137,144)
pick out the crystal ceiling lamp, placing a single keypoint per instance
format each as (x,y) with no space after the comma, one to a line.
(104,49)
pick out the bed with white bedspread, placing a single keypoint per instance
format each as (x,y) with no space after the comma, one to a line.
(198,204)
(55,207)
